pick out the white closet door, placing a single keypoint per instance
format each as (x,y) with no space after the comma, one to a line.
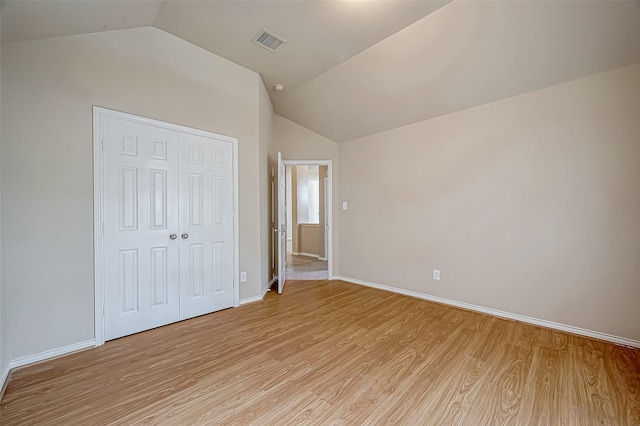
(140,214)
(206,225)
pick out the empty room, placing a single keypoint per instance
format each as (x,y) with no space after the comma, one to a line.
(321,212)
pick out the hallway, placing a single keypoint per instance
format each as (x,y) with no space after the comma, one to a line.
(306,268)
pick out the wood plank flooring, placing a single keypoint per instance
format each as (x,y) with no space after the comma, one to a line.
(329,352)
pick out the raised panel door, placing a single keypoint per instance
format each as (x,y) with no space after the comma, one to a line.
(206,225)
(141,212)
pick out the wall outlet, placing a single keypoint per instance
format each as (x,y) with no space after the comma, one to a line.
(436,274)
(345,205)
(243,277)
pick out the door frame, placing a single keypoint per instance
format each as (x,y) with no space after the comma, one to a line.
(99,114)
(329,193)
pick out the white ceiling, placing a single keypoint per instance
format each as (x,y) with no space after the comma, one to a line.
(353,67)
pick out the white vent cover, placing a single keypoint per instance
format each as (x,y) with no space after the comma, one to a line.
(268,40)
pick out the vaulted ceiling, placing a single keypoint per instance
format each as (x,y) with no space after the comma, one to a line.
(354,67)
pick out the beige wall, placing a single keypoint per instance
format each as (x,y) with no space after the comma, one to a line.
(266,235)
(4,356)
(322,173)
(49,88)
(529,205)
(294,210)
(309,235)
(297,143)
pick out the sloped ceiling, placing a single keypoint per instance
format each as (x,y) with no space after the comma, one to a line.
(353,67)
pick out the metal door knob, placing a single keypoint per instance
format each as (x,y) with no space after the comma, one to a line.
(173,236)
(184,236)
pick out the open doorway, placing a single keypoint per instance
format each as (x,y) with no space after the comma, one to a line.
(307,221)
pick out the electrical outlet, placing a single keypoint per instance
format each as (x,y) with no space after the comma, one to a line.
(243,277)
(436,274)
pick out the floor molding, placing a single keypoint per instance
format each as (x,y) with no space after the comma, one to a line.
(535,321)
(251,300)
(5,379)
(307,254)
(43,356)
(52,353)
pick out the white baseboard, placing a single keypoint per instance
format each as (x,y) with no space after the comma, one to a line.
(295,253)
(43,356)
(250,300)
(535,321)
(3,379)
(322,258)
(52,353)
(308,254)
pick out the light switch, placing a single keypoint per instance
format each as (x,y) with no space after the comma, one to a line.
(344,205)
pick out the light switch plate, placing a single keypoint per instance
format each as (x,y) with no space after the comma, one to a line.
(344,205)
(243,277)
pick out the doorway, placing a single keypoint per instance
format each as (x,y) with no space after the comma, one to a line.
(307,221)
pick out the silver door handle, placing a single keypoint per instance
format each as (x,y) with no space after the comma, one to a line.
(173,236)
(184,236)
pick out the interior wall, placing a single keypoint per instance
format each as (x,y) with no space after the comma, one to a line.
(294,210)
(530,205)
(322,171)
(50,87)
(4,359)
(265,134)
(298,143)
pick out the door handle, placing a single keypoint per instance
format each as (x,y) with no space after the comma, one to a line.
(173,236)
(184,236)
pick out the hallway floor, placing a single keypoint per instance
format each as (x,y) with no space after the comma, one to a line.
(306,268)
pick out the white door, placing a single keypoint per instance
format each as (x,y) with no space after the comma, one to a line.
(168,233)
(140,216)
(206,225)
(282,224)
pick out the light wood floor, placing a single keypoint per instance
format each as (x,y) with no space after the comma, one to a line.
(335,353)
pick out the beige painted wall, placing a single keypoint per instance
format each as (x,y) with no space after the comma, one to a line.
(266,235)
(297,143)
(529,205)
(49,88)
(322,173)
(295,239)
(309,235)
(4,356)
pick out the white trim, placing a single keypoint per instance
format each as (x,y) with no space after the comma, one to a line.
(52,353)
(251,300)
(295,253)
(535,321)
(43,356)
(3,379)
(317,256)
(322,258)
(98,241)
(269,284)
(236,227)
(99,115)
(329,190)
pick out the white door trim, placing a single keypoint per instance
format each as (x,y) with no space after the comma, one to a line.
(329,190)
(99,114)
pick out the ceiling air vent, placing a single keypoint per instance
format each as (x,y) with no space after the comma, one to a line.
(268,40)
